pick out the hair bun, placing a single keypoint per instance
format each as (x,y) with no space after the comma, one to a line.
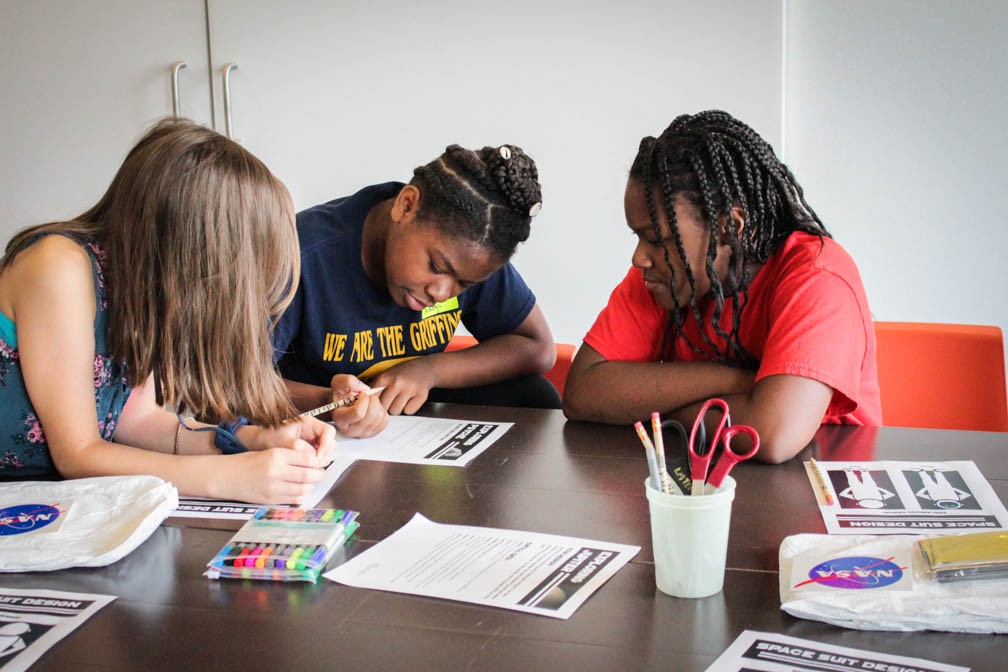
(516,177)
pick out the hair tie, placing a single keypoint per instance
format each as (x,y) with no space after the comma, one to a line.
(224,437)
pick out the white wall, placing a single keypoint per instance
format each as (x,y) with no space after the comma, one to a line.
(895,115)
(334,96)
(78,84)
(897,127)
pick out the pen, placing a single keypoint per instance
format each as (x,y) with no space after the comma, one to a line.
(659,443)
(658,473)
(821,481)
(341,403)
(651,459)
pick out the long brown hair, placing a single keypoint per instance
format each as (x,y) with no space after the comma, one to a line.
(201,259)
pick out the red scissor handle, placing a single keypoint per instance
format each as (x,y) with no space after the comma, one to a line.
(700,455)
(729,458)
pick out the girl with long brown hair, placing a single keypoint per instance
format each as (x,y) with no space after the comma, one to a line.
(157,303)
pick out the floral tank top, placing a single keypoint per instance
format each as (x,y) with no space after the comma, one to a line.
(24,453)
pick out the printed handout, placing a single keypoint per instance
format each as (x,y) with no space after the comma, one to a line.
(419,440)
(407,438)
(33,621)
(536,573)
(892,497)
(769,652)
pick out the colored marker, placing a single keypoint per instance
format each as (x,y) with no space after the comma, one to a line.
(239,560)
(293,558)
(304,560)
(318,558)
(280,556)
(264,558)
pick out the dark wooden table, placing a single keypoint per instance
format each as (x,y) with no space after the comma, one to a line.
(544,475)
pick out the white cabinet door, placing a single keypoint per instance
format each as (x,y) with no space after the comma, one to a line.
(80,82)
(337,95)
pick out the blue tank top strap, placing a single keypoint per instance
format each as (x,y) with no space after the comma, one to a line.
(8,331)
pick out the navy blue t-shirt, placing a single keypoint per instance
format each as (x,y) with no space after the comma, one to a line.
(341,322)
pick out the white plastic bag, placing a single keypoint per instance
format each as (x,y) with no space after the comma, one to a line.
(87,522)
(875,582)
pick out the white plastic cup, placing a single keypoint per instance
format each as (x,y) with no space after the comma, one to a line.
(690,539)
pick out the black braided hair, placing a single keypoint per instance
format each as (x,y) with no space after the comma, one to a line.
(716,162)
(488,196)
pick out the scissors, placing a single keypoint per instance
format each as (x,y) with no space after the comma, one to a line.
(677,456)
(701,451)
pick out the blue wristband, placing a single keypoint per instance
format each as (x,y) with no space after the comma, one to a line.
(225,438)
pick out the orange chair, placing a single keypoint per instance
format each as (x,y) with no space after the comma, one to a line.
(942,376)
(557,375)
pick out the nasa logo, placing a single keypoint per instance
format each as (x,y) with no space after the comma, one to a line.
(26,517)
(855,573)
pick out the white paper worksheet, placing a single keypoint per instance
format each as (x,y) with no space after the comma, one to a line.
(419,440)
(200,507)
(890,497)
(33,621)
(407,438)
(779,653)
(525,571)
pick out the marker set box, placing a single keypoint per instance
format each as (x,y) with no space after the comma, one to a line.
(284,545)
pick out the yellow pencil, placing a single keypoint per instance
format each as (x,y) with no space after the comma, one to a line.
(342,402)
(821,481)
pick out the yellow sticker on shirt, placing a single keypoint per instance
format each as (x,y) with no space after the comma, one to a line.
(438,308)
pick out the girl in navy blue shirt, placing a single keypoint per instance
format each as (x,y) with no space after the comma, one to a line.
(387,275)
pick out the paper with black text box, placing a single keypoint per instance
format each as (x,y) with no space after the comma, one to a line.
(770,652)
(891,497)
(537,573)
(33,621)
(203,507)
(418,440)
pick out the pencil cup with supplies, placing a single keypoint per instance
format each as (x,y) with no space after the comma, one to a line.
(690,514)
(690,539)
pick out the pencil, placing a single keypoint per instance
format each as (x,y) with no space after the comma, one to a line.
(659,441)
(341,403)
(670,486)
(661,476)
(649,450)
(827,495)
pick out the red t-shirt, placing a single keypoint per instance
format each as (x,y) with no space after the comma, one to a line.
(807,315)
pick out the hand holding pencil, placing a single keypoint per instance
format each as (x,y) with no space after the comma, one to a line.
(341,403)
(356,409)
